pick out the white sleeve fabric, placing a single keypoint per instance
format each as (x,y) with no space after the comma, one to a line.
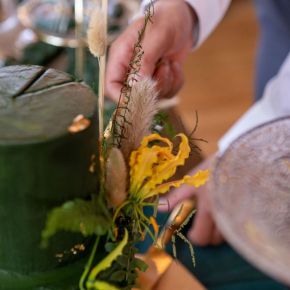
(209,13)
(274,104)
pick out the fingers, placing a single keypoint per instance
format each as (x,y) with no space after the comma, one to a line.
(169,77)
(119,57)
(155,46)
(204,231)
(121,52)
(174,198)
(209,235)
(185,191)
(217,237)
(203,226)
(162,41)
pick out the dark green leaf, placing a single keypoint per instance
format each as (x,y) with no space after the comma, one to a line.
(109,247)
(118,276)
(141,265)
(123,260)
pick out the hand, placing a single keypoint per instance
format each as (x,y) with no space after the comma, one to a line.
(166,43)
(204,230)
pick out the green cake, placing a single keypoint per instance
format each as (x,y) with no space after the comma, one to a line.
(42,165)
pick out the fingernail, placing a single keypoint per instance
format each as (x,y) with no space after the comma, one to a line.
(163,204)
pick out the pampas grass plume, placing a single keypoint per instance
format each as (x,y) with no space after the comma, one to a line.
(97,33)
(116,178)
(142,107)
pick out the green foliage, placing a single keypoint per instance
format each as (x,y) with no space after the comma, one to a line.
(78,216)
(139,264)
(96,282)
(107,261)
(123,271)
(162,120)
(101,285)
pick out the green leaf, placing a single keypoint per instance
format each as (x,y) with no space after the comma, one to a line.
(109,247)
(118,276)
(132,277)
(141,265)
(101,285)
(78,216)
(107,261)
(123,260)
(162,119)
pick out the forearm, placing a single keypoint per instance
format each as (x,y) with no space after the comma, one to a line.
(274,104)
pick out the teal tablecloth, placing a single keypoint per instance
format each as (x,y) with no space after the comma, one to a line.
(220,268)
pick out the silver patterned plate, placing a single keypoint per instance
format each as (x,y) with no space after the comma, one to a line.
(54,20)
(250,192)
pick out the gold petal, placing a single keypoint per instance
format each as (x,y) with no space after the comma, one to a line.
(197,180)
(154,225)
(164,170)
(141,163)
(154,138)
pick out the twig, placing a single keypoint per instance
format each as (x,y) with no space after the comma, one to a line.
(131,78)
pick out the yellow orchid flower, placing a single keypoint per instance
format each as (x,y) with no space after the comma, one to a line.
(150,166)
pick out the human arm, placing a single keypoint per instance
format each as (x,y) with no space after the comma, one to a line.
(166,43)
(208,12)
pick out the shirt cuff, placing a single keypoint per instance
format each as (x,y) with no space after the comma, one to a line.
(209,14)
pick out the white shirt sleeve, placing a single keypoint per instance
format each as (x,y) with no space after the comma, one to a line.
(274,104)
(209,13)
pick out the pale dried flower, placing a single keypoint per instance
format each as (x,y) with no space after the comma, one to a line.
(97,33)
(93,164)
(116,178)
(141,109)
(80,123)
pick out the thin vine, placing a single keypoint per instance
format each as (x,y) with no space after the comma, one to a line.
(134,67)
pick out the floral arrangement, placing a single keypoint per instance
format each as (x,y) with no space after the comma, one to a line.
(135,164)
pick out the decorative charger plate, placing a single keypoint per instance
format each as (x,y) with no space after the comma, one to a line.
(250,190)
(53,20)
